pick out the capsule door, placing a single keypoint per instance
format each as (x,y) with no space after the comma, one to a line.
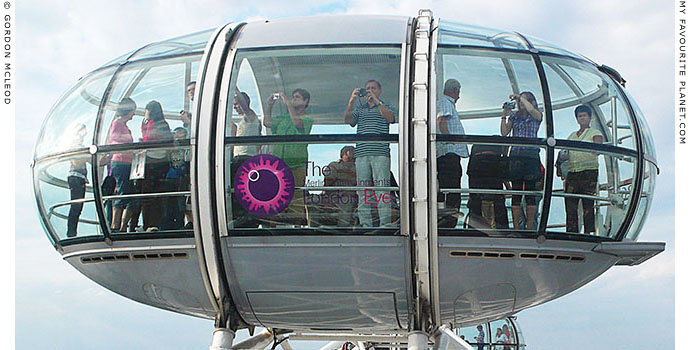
(307,231)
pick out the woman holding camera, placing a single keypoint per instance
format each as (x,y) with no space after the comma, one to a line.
(524,165)
(154,128)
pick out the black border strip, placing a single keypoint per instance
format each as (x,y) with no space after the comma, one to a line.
(499,49)
(504,140)
(95,175)
(318,138)
(634,203)
(523,234)
(560,143)
(142,146)
(319,46)
(154,58)
(133,236)
(315,232)
(549,173)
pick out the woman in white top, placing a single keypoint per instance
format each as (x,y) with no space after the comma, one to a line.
(249,125)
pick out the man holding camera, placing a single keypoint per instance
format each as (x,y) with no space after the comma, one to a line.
(372,160)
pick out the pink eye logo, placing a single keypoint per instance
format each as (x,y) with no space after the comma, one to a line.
(264,185)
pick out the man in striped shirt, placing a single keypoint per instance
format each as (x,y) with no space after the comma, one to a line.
(372,160)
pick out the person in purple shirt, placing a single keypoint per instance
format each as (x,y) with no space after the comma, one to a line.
(524,163)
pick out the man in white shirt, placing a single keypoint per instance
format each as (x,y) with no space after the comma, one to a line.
(449,155)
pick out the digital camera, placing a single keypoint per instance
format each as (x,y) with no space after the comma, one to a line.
(509,105)
(362,92)
(276,96)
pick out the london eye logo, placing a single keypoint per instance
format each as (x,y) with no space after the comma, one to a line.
(264,185)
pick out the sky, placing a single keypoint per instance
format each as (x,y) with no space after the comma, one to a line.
(57,42)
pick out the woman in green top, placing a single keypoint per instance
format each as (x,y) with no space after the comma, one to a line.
(295,155)
(583,172)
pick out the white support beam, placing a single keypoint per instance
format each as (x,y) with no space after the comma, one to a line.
(420,156)
(222,339)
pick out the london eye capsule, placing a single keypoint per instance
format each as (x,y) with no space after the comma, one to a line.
(304,175)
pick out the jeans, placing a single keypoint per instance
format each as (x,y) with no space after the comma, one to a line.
(77,190)
(373,171)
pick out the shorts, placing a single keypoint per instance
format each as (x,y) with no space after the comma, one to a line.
(123,185)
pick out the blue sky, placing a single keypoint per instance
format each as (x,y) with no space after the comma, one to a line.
(57,307)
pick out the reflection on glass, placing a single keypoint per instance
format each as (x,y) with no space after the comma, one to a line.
(499,335)
(488,79)
(285,94)
(648,183)
(67,196)
(487,186)
(149,194)
(330,194)
(78,107)
(582,203)
(464,34)
(167,82)
(572,84)
(194,42)
(648,140)
(502,333)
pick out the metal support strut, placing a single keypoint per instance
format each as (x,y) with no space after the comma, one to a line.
(417,341)
(222,339)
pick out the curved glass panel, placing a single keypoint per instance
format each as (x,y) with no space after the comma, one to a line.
(469,35)
(591,192)
(191,43)
(486,336)
(545,46)
(573,84)
(645,130)
(66,195)
(472,88)
(487,81)
(648,183)
(285,96)
(502,333)
(74,114)
(496,192)
(163,81)
(147,190)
